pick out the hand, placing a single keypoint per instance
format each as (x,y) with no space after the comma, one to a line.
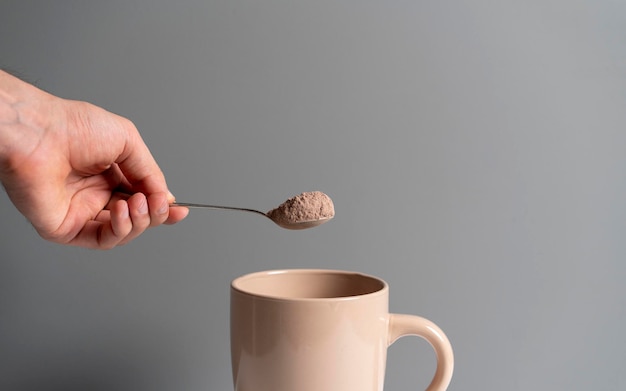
(81,175)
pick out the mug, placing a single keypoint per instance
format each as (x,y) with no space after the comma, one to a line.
(320,330)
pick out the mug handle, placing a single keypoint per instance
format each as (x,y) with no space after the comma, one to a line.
(402,325)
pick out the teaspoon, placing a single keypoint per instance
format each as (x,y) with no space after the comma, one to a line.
(299,224)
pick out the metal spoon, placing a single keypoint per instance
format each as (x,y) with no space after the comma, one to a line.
(284,224)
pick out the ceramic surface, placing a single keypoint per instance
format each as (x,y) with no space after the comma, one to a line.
(311,330)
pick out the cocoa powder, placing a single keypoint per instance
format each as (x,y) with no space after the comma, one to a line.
(308,206)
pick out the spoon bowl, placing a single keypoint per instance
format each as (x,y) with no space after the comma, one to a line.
(301,224)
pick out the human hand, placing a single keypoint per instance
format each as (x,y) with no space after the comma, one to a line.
(81,175)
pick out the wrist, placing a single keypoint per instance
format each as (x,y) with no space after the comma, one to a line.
(24,117)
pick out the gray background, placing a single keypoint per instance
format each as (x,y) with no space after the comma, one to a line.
(474,151)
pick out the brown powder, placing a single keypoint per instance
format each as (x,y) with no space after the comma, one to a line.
(308,206)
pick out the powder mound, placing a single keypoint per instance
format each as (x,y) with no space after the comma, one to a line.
(308,206)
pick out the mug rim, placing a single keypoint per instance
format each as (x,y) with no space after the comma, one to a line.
(236,285)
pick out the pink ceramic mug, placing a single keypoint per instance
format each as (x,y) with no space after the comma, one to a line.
(320,330)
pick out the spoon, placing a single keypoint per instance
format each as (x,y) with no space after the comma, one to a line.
(275,217)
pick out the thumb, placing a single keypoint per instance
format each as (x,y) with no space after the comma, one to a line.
(138,165)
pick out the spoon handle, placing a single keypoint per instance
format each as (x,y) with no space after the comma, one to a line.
(205,206)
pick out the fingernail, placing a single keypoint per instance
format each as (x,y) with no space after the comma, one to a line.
(164,208)
(125,212)
(143,207)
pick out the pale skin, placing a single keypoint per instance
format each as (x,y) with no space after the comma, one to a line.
(81,175)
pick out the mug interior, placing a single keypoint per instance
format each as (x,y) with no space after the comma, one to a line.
(308,284)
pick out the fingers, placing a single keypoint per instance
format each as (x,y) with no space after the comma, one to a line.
(145,212)
(115,227)
(177,213)
(109,229)
(126,219)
